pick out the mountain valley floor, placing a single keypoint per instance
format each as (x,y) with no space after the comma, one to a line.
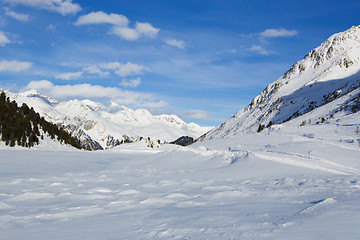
(287,182)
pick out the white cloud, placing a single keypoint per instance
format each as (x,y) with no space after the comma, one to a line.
(146,29)
(69,76)
(126,33)
(131,82)
(175,43)
(43,84)
(95,70)
(100,18)
(197,115)
(260,50)
(123,70)
(132,34)
(281,32)
(18,16)
(3,39)
(96,92)
(63,7)
(120,25)
(14,66)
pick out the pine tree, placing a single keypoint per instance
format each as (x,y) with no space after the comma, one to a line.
(21,125)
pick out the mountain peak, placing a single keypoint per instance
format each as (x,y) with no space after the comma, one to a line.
(340,50)
(325,74)
(35,93)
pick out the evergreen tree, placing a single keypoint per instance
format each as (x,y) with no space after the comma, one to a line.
(21,125)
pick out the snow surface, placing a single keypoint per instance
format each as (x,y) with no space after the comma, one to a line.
(287,182)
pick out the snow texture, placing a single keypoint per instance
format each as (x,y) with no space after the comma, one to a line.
(287,182)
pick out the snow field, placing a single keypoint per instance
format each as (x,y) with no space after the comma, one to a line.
(207,191)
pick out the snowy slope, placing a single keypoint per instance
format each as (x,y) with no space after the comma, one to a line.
(287,182)
(328,72)
(107,125)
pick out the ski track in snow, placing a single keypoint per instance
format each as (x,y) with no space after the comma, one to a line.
(307,162)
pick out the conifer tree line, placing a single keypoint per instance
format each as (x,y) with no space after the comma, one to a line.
(20,126)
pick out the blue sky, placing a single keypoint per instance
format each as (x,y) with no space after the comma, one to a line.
(202,60)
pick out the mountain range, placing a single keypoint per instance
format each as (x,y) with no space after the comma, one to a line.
(103,126)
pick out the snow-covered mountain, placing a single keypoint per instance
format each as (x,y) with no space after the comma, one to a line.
(101,126)
(327,77)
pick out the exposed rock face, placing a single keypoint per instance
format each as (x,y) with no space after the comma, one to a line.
(183,141)
(85,140)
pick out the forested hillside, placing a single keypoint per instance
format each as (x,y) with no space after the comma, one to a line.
(22,126)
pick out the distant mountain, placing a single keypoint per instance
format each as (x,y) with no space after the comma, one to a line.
(103,126)
(327,78)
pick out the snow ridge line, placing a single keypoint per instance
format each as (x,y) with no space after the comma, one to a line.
(325,165)
(322,160)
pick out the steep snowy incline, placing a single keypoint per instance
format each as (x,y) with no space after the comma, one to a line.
(326,73)
(107,125)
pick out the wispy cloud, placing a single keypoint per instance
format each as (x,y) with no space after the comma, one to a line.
(96,92)
(104,70)
(51,27)
(95,70)
(130,83)
(120,25)
(260,50)
(14,66)
(69,75)
(124,70)
(281,32)
(64,7)
(176,43)
(197,115)
(3,39)
(18,16)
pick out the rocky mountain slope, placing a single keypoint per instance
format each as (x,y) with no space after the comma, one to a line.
(103,126)
(328,77)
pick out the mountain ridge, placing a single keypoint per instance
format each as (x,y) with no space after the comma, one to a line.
(326,73)
(103,126)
